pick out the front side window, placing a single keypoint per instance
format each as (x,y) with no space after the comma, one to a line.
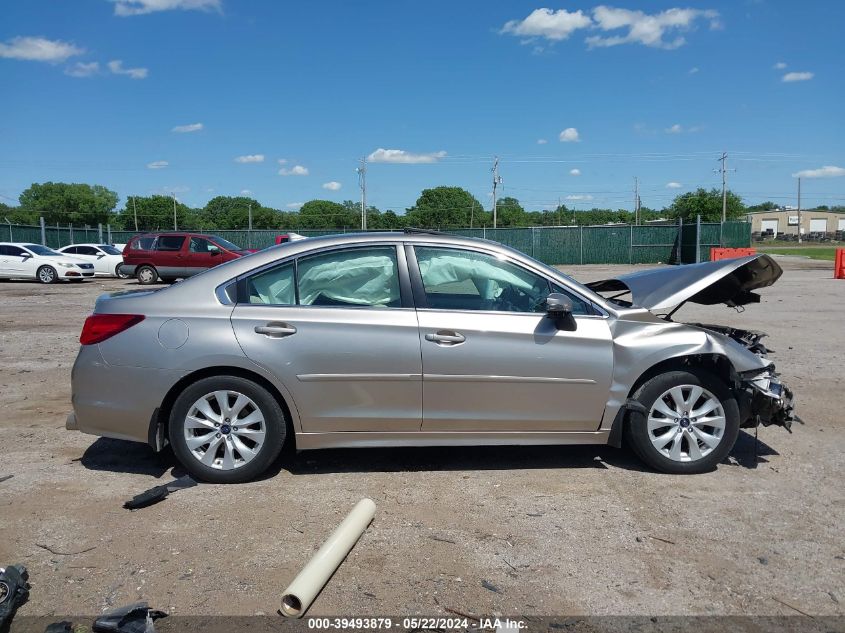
(108,249)
(170,242)
(359,277)
(87,250)
(199,245)
(71,250)
(456,279)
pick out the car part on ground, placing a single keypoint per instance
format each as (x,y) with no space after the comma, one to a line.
(304,588)
(159,493)
(14,591)
(330,341)
(134,618)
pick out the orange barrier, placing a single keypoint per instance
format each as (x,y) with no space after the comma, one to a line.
(839,264)
(729,253)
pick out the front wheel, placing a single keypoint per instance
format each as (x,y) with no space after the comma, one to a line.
(226,429)
(47,275)
(691,425)
(118,272)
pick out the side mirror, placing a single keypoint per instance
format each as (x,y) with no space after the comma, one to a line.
(26,256)
(101,255)
(213,250)
(559,309)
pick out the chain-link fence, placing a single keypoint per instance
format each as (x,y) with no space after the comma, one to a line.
(610,244)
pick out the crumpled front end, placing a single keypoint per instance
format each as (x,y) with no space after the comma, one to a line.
(762,397)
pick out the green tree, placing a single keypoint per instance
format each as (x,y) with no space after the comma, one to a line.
(446,207)
(510,213)
(155,213)
(65,203)
(325,214)
(768,205)
(16,215)
(707,204)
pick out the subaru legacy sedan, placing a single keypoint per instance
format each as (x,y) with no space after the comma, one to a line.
(422,339)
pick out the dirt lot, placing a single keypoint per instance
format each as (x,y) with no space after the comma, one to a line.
(572,530)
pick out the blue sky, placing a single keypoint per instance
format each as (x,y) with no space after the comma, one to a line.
(147,96)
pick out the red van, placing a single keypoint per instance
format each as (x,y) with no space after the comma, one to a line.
(170,256)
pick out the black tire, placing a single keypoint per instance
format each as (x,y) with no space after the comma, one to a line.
(636,429)
(118,274)
(275,429)
(47,275)
(146,275)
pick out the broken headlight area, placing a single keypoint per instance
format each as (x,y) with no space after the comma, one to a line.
(764,399)
(750,339)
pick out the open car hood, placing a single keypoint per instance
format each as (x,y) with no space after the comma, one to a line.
(727,281)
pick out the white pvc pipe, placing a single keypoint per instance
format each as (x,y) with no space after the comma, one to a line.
(301,592)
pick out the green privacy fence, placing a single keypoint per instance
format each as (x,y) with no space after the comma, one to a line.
(611,244)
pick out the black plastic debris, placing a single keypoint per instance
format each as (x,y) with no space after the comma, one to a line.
(159,493)
(133,618)
(5,478)
(60,627)
(14,591)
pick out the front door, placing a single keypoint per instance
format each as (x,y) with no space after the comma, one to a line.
(493,361)
(335,329)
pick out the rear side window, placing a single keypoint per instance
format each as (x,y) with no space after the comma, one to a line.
(359,277)
(12,251)
(143,244)
(87,250)
(72,250)
(170,242)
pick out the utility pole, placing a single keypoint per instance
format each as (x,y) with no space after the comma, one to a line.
(249,215)
(497,180)
(471,212)
(135,212)
(174,212)
(636,200)
(724,171)
(362,183)
(799,209)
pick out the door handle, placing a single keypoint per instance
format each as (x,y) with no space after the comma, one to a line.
(275,330)
(446,337)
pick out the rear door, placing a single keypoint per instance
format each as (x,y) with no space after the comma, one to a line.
(492,360)
(339,330)
(13,262)
(170,255)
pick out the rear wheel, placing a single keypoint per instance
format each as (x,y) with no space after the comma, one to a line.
(691,425)
(226,429)
(146,275)
(47,275)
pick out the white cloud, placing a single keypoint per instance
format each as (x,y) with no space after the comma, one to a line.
(403,157)
(577,197)
(81,69)
(805,76)
(185,129)
(157,164)
(779,66)
(575,172)
(828,171)
(250,158)
(541,141)
(552,25)
(693,70)
(673,185)
(675,129)
(140,7)
(294,205)
(570,135)
(648,29)
(116,67)
(296,170)
(332,186)
(283,161)
(246,192)
(38,49)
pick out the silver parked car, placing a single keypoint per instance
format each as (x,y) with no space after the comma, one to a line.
(421,339)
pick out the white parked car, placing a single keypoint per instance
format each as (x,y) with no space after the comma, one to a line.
(34,261)
(107,259)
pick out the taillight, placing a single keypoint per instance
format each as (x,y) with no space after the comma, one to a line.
(99,327)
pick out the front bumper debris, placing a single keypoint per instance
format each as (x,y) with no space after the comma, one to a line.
(765,400)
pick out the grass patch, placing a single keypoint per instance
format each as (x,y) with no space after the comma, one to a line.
(827,253)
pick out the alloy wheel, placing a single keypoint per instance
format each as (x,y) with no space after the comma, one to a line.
(46,275)
(224,429)
(686,423)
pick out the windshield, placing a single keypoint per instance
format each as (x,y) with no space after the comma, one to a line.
(40,250)
(108,249)
(225,244)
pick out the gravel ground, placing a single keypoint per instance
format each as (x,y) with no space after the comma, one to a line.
(548,530)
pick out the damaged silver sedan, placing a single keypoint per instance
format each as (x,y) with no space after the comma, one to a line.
(421,339)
